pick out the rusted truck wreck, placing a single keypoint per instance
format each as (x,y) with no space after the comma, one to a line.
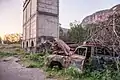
(63,56)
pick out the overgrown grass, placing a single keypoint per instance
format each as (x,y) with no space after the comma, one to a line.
(4,54)
(73,74)
(35,60)
(38,60)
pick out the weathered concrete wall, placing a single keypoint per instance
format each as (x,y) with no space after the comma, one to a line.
(47,26)
(40,20)
(48,18)
(49,6)
(29,23)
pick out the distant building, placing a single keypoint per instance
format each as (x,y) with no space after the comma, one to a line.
(40,22)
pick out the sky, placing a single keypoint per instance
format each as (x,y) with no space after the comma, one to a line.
(70,10)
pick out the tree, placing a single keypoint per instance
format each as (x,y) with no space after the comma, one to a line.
(107,32)
(77,33)
(12,38)
(63,32)
(0,40)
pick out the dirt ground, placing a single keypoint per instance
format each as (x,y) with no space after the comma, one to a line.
(11,70)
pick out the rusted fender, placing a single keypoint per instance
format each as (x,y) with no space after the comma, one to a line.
(78,61)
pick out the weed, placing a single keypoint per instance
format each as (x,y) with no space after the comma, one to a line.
(3,54)
(38,60)
(34,60)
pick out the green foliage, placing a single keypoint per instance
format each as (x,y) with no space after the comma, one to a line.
(4,54)
(63,34)
(39,61)
(77,33)
(91,29)
(34,60)
(73,74)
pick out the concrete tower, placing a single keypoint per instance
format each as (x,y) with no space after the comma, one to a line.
(40,21)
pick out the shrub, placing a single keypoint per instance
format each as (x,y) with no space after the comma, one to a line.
(35,60)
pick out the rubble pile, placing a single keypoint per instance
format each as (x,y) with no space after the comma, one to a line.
(61,48)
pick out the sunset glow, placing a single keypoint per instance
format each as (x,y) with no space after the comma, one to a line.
(11,12)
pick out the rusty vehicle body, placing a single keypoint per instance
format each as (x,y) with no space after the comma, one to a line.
(98,55)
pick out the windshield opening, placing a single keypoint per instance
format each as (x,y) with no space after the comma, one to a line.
(81,51)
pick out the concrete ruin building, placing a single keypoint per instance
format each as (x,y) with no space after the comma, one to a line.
(40,21)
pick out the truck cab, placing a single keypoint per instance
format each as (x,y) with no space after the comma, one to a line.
(96,55)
